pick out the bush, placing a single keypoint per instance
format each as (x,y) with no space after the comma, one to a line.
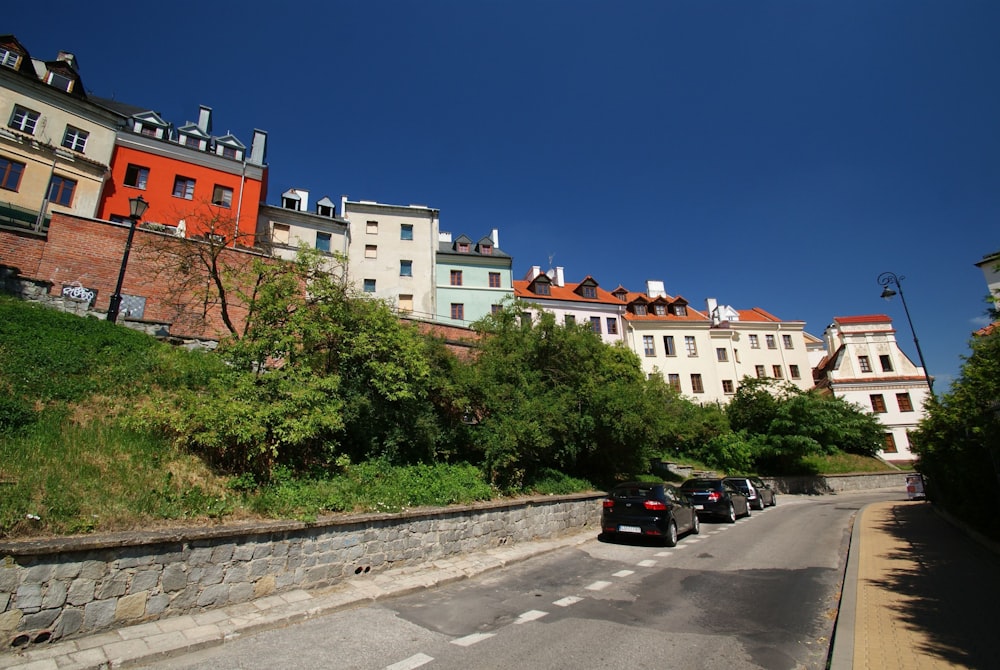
(14,414)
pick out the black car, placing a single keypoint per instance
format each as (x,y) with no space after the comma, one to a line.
(758,493)
(648,509)
(717,497)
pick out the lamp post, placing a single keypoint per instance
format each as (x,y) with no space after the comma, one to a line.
(137,207)
(884,280)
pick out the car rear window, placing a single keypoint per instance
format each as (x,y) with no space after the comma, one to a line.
(632,492)
(701,484)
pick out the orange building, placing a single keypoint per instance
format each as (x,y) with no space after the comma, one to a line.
(195,183)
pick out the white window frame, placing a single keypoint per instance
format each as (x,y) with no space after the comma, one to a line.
(75,139)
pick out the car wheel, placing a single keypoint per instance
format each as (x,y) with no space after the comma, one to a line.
(774,500)
(731,514)
(671,538)
(748,509)
(695,525)
(760,503)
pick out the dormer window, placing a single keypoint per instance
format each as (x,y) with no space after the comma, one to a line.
(659,310)
(147,131)
(621,295)
(60,81)
(325,210)
(486,249)
(542,288)
(290,202)
(679,310)
(588,291)
(462,247)
(9,58)
(640,310)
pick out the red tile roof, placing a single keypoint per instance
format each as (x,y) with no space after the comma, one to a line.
(869,318)
(566,293)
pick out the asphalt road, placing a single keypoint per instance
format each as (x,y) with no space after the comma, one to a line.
(760,593)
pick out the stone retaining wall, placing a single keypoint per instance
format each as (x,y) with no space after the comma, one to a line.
(821,484)
(59,588)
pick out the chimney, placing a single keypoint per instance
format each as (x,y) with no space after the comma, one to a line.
(69,59)
(713,310)
(654,288)
(533,272)
(444,237)
(258,148)
(205,119)
(495,236)
(560,278)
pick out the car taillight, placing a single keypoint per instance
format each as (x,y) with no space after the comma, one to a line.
(654,505)
(713,496)
(608,503)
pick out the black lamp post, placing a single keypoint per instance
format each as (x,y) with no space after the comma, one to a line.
(884,280)
(137,207)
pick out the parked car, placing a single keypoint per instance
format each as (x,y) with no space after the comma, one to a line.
(758,493)
(648,509)
(716,497)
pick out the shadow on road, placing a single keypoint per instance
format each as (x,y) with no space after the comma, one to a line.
(953,596)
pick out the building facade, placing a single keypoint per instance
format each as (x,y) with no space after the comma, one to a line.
(391,250)
(473,278)
(196,183)
(582,303)
(56,145)
(866,367)
(282,230)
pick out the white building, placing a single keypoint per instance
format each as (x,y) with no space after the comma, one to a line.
(865,366)
(580,303)
(284,229)
(391,253)
(704,355)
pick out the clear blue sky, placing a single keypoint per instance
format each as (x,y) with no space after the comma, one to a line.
(771,154)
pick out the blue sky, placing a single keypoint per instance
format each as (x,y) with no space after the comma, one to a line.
(771,154)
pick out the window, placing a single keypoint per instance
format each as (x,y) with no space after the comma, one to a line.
(405,302)
(183,187)
(462,247)
(890,444)
(674,381)
(494,309)
(458,311)
(486,249)
(903,400)
(525,319)
(647,345)
(754,342)
(885,362)
(864,364)
(10,174)
(61,190)
(759,370)
(793,372)
(405,268)
(8,58)
(148,131)
(588,292)
(23,119)
(776,369)
(494,280)
(668,345)
(371,251)
(728,387)
(136,176)
(222,196)
(570,320)
(75,139)
(640,310)
(595,324)
(60,81)
(323,242)
(696,385)
(659,310)
(542,289)
(612,325)
(878,403)
(192,141)
(786,341)
(721,354)
(280,233)
(456,277)
(369,286)
(771,344)
(406,231)
(679,310)
(371,227)
(690,346)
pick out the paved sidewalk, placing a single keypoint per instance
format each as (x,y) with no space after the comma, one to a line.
(918,593)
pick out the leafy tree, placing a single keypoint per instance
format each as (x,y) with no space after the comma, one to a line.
(958,441)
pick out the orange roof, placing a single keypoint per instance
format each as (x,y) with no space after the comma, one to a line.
(565,293)
(869,318)
(758,315)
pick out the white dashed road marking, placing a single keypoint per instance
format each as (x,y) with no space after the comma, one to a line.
(567,601)
(470,640)
(530,615)
(647,563)
(411,662)
(623,573)
(597,586)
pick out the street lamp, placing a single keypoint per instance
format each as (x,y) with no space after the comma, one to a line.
(884,280)
(137,207)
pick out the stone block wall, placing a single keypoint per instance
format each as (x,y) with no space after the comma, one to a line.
(52,589)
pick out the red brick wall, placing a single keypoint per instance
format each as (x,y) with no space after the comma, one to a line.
(89,252)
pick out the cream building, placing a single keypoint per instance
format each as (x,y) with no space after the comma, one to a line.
(282,230)
(580,303)
(866,367)
(705,354)
(56,144)
(391,252)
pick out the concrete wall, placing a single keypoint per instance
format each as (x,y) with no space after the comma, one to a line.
(63,587)
(821,484)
